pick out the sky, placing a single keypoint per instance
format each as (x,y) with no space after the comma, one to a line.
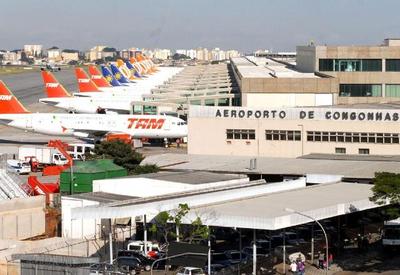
(277,25)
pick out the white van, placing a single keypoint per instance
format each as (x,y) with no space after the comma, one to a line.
(18,166)
(79,149)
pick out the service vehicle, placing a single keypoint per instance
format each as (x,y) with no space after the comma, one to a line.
(18,166)
(40,157)
(391,234)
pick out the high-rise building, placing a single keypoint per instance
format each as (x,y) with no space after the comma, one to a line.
(54,54)
(162,53)
(96,53)
(33,50)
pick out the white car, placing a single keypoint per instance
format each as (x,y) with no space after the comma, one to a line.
(190,271)
(18,166)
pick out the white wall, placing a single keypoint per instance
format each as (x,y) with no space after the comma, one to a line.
(144,187)
(286,99)
(77,228)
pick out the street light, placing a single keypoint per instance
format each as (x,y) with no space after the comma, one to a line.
(323,230)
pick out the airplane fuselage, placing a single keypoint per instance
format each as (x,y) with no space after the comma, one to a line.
(86,125)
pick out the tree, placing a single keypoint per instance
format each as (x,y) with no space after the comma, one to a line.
(123,155)
(386,189)
(166,222)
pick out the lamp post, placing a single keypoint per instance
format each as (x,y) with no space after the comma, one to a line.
(323,230)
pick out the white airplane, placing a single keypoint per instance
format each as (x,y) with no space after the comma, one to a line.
(14,114)
(103,102)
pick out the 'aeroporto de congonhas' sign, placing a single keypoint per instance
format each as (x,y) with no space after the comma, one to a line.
(333,114)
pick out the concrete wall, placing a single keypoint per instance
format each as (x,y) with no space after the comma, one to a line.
(286,99)
(77,228)
(22,218)
(289,85)
(305,59)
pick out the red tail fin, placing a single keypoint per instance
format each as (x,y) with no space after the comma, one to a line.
(97,77)
(52,87)
(9,104)
(84,82)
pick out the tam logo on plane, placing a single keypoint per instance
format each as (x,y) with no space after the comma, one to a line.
(146,123)
(96,76)
(52,85)
(83,80)
(5,97)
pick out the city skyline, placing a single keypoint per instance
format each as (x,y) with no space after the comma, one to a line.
(274,25)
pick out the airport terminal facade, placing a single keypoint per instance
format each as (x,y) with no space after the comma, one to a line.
(293,132)
(321,75)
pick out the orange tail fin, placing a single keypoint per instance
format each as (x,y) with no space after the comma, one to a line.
(9,104)
(84,82)
(53,88)
(97,77)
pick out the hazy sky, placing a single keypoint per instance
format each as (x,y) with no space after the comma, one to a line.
(238,24)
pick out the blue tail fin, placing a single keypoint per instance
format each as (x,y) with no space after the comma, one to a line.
(109,76)
(133,70)
(118,75)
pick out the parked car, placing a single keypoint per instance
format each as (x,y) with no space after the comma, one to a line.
(220,258)
(215,268)
(130,265)
(236,257)
(145,261)
(18,166)
(289,249)
(292,238)
(190,271)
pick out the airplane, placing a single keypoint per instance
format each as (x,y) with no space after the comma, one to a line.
(14,114)
(104,102)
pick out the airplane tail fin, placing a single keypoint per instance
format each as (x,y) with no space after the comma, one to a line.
(109,76)
(9,104)
(53,88)
(85,84)
(118,74)
(97,77)
(132,69)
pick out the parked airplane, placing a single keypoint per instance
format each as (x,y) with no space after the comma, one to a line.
(14,114)
(102,102)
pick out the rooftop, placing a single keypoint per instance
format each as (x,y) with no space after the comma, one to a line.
(351,168)
(268,211)
(261,67)
(101,197)
(190,177)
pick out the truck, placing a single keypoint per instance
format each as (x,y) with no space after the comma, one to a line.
(391,234)
(40,157)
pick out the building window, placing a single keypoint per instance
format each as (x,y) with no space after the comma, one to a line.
(371,65)
(340,150)
(240,134)
(393,65)
(360,90)
(350,65)
(290,135)
(363,151)
(326,65)
(351,137)
(392,90)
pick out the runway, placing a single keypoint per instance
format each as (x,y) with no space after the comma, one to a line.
(28,87)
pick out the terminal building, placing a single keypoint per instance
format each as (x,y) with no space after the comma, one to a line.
(321,75)
(294,132)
